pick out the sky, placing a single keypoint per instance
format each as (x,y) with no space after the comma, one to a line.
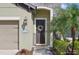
(64,6)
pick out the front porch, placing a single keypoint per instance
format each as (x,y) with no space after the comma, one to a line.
(41,22)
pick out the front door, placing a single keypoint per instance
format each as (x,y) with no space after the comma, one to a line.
(40,31)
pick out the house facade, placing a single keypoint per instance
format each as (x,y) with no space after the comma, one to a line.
(24,25)
(12,17)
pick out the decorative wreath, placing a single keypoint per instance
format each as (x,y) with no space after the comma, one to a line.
(40,27)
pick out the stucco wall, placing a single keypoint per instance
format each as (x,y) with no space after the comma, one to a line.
(10,10)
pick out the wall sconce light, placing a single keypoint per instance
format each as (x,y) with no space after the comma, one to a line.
(24,25)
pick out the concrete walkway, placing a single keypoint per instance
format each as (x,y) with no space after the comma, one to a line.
(8,52)
(42,51)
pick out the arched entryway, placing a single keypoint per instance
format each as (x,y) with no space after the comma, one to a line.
(42,26)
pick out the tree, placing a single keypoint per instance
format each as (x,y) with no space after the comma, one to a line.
(65,20)
(73,12)
(59,22)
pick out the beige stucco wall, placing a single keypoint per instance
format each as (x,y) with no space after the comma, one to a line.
(10,10)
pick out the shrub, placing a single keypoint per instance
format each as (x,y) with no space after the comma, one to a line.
(60,46)
(76,46)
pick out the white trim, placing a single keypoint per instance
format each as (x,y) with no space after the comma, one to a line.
(47,8)
(9,18)
(45,30)
(32,6)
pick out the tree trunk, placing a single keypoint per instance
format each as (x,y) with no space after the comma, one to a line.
(54,37)
(73,29)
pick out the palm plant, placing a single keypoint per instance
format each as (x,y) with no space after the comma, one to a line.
(73,12)
(66,20)
(59,22)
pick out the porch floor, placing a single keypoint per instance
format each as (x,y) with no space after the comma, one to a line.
(41,50)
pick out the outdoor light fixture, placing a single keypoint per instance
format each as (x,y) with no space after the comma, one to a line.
(24,25)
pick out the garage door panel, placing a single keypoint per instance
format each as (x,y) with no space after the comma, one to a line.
(8,22)
(8,35)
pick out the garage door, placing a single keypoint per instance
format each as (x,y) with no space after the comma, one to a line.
(8,35)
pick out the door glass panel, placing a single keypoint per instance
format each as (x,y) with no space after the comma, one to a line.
(40,31)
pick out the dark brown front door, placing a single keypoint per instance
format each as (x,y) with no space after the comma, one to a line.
(40,31)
